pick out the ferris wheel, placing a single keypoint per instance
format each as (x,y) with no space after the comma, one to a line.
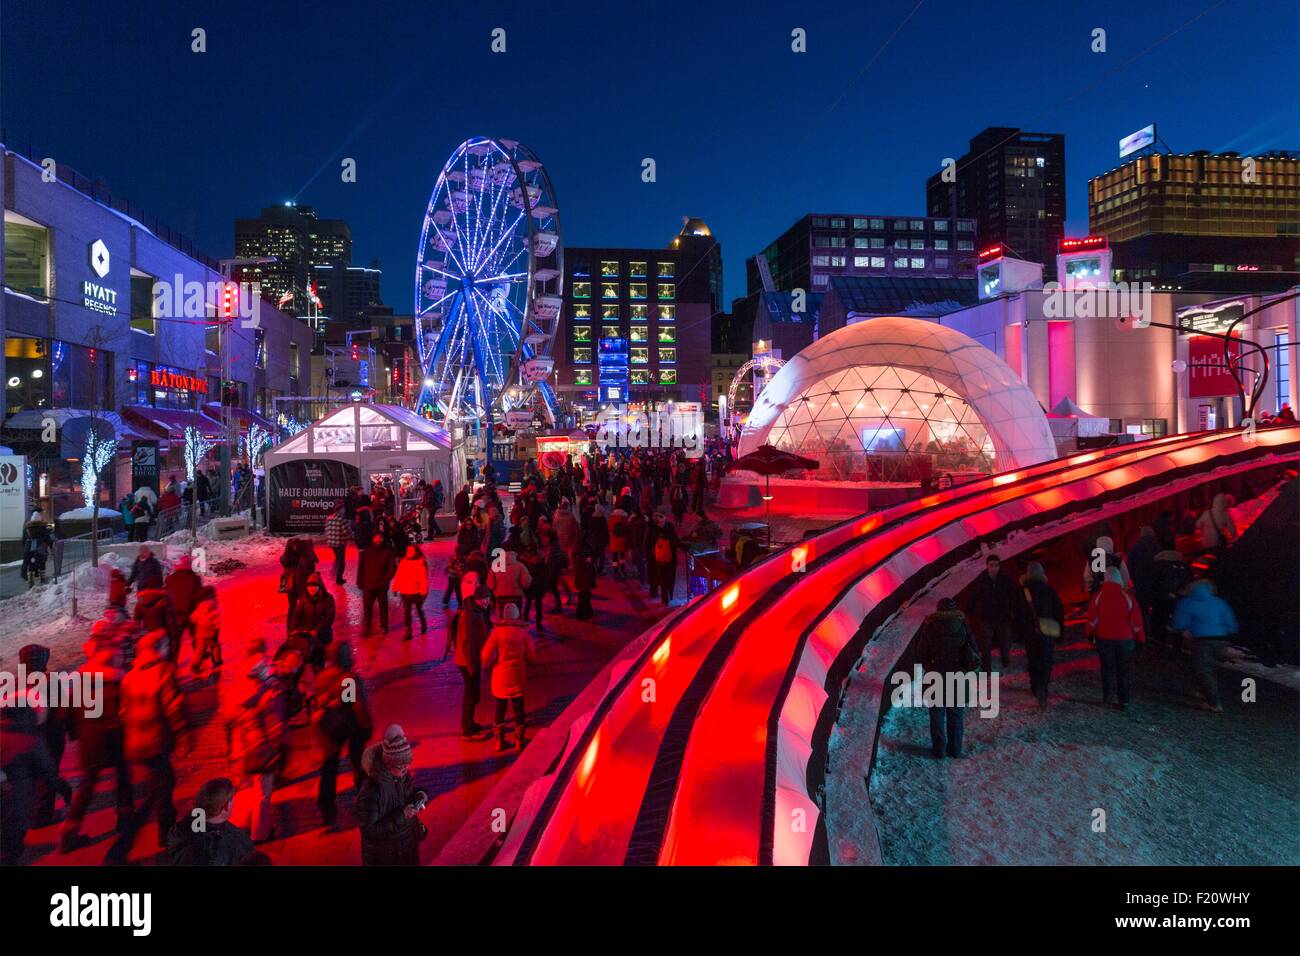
(488,284)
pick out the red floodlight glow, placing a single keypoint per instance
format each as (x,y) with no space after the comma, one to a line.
(730,596)
(1086,243)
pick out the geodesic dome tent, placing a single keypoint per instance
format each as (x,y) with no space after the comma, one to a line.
(900,399)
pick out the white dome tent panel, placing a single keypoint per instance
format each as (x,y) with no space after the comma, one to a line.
(897,399)
(308,475)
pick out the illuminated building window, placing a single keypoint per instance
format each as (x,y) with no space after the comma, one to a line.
(668,356)
(821,260)
(639,376)
(941,225)
(900,262)
(667,291)
(667,313)
(668,334)
(637,270)
(918,244)
(918,263)
(965,225)
(667,270)
(582,356)
(639,312)
(877,262)
(877,224)
(859,223)
(668,376)
(639,356)
(609,331)
(640,334)
(582,290)
(861,262)
(608,269)
(582,333)
(582,311)
(941,244)
(609,313)
(582,376)
(609,290)
(637,290)
(837,262)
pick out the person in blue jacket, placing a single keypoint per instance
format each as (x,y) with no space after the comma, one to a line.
(1206,620)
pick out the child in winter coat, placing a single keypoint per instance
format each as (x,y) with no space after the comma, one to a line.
(206,621)
(412,582)
(509,651)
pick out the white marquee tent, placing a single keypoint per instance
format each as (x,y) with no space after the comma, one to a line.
(352,445)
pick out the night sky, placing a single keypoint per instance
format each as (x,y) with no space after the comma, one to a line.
(746,134)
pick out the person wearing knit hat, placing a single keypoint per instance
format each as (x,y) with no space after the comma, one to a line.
(388,803)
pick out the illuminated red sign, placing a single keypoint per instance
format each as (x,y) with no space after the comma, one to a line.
(1208,374)
(161,378)
(992,252)
(1087,242)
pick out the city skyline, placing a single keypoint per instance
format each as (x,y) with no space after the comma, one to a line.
(796,128)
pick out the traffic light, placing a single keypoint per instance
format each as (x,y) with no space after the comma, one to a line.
(228,301)
(356,352)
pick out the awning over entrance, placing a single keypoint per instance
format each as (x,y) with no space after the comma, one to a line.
(171,422)
(244,417)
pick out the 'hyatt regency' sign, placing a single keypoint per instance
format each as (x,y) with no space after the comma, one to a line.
(94,296)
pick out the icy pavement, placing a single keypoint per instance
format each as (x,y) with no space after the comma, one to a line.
(1178,786)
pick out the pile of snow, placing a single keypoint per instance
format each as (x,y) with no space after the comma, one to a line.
(85,514)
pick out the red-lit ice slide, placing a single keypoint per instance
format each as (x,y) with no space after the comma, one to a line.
(705,747)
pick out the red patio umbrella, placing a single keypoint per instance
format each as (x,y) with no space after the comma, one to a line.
(768,461)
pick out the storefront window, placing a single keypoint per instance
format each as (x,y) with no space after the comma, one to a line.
(27,367)
(165,386)
(27,255)
(142,303)
(80,377)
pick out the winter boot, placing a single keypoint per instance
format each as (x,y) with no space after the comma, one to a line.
(502,743)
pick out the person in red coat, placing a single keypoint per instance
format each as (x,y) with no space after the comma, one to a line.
(1114,621)
(509,651)
(411,581)
(152,720)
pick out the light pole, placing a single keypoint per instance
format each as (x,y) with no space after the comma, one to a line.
(224,324)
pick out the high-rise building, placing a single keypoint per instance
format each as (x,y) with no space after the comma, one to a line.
(1204,221)
(822,245)
(349,293)
(1012,183)
(298,241)
(636,322)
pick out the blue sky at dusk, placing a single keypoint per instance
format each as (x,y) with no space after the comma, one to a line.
(746,134)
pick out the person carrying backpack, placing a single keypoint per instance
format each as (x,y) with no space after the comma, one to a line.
(1207,621)
(664,574)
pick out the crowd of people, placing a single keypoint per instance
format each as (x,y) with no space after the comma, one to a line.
(1152,593)
(599,517)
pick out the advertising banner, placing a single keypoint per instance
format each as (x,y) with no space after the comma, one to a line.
(13,496)
(145,466)
(303,493)
(1208,375)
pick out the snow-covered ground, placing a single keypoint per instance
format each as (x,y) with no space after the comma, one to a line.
(44,615)
(77,514)
(1177,786)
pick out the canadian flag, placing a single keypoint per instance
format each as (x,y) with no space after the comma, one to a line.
(314,297)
